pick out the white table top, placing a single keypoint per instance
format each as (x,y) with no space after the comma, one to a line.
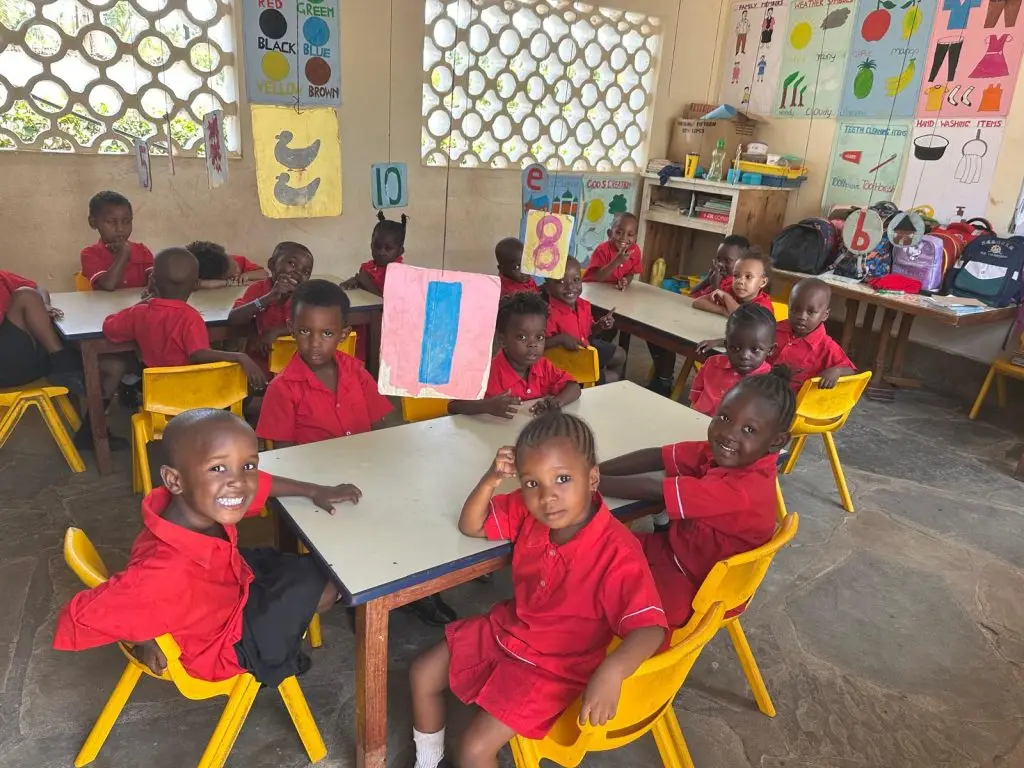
(85,311)
(659,309)
(415,478)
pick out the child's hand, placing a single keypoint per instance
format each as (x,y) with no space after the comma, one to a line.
(601,698)
(622,283)
(544,405)
(326,497)
(569,342)
(149,653)
(621,256)
(350,284)
(282,288)
(504,406)
(605,322)
(119,249)
(830,377)
(257,379)
(54,313)
(504,467)
(707,347)
(718,296)
(267,339)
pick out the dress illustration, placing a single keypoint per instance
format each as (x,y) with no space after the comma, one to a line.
(993,63)
(767,28)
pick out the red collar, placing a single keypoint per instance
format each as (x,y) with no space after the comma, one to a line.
(197,547)
(589,537)
(814,338)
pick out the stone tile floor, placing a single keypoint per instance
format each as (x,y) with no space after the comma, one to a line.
(889,638)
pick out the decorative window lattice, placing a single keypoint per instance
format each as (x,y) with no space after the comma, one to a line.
(557,82)
(90,76)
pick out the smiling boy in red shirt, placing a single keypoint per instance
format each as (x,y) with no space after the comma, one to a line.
(114,261)
(618,259)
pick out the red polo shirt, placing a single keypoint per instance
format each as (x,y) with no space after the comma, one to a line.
(274,316)
(577,321)
(378,274)
(762,298)
(298,408)
(542,380)
(177,581)
(508,285)
(9,283)
(716,512)
(166,331)
(808,356)
(724,285)
(606,253)
(97,259)
(244,265)
(714,379)
(569,600)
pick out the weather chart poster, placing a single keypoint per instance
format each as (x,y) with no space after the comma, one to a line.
(753,53)
(292,52)
(866,162)
(887,58)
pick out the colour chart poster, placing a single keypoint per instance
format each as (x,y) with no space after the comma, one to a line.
(815,49)
(887,58)
(292,52)
(973,59)
(753,55)
(866,162)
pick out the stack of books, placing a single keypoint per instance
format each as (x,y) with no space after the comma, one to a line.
(714,209)
(655,165)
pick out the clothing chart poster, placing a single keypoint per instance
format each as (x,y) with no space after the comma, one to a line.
(866,162)
(815,49)
(951,166)
(887,58)
(973,59)
(753,51)
(603,198)
(292,52)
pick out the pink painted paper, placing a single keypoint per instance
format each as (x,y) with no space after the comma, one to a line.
(405,294)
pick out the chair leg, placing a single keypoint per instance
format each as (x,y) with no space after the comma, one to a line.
(60,434)
(316,638)
(10,420)
(73,419)
(668,737)
(1001,390)
(837,471)
(980,400)
(750,670)
(298,710)
(108,716)
(678,387)
(141,456)
(230,723)
(524,753)
(794,453)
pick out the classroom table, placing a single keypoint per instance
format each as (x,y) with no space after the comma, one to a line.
(401,542)
(85,311)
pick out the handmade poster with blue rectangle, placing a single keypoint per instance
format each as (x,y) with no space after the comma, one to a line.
(389,185)
(436,333)
(292,52)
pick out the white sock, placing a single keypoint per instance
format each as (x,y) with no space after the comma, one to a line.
(429,748)
(661,518)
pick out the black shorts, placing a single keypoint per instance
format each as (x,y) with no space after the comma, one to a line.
(282,601)
(605,350)
(21,359)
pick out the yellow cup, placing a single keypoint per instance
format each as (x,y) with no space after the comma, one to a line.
(690,169)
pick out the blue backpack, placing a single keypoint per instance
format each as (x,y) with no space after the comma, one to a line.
(991,269)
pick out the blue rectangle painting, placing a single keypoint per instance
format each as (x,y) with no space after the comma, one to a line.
(440,331)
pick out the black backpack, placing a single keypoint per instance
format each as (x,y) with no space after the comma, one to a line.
(810,246)
(991,269)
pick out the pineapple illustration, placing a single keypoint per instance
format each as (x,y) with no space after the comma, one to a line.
(865,79)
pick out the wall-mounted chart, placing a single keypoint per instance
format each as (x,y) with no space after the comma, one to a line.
(866,162)
(753,54)
(887,58)
(816,47)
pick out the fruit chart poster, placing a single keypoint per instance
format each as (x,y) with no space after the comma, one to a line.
(753,51)
(887,58)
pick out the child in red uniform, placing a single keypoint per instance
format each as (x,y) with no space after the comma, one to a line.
(166,329)
(229,610)
(520,371)
(749,339)
(219,270)
(719,494)
(571,322)
(509,254)
(322,393)
(114,261)
(749,278)
(387,245)
(802,344)
(579,579)
(618,259)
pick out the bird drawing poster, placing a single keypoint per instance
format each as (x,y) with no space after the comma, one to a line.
(887,58)
(436,332)
(951,166)
(298,162)
(866,161)
(753,50)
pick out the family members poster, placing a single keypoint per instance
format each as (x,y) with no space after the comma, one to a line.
(815,49)
(753,54)
(292,52)
(603,198)
(973,59)
(951,166)
(887,58)
(866,162)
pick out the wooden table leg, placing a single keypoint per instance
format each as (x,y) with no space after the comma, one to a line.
(624,339)
(1019,472)
(373,344)
(372,685)
(94,405)
(888,318)
(849,324)
(899,356)
(866,334)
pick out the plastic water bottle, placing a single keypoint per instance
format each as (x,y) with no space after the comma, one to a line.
(657,272)
(715,172)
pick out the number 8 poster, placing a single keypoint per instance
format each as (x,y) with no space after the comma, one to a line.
(548,238)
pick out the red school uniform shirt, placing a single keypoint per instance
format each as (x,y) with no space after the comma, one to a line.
(714,379)
(569,600)
(716,512)
(508,285)
(298,408)
(606,253)
(542,380)
(272,316)
(9,283)
(166,331)
(177,581)
(577,321)
(378,274)
(97,259)
(244,265)
(808,356)
(762,298)
(707,290)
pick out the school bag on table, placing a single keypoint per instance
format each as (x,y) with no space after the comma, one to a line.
(809,246)
(991,269)
(957,235)
(924,262)
(865,266)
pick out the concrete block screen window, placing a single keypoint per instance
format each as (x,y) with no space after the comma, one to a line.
(510,83)
(90,76)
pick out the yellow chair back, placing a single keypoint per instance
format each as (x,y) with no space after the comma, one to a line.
(781,310)
(826,410)
(582,364)
(284,350)
(82,282)
(423,408)
(82,557)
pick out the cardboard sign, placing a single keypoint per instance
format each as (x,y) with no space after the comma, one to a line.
(862,231)
(213,141)
(389,185)
(546,248)
(436,333)
(142,164)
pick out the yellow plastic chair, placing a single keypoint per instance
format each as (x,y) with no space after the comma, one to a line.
(82,282)
(241,690)
(166,392)
(645,706)
(39,394)
(999,370)
(824,411)
(781,310)
(423,408)
(582,365)
(283,350)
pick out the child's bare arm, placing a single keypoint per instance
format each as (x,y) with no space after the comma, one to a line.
(570,394)
(831,376)
(324,496)
(708,304)
(361,280)
(478,504)
(564,340)
(604,274)
(638,487)
(601,697)
(110,280)
(504,406)
(257,379)
(211,283)
(252,276)
(635,463)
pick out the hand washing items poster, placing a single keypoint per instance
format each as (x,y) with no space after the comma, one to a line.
(866,162)
(753,50)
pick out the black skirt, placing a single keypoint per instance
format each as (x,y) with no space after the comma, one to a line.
(21,359)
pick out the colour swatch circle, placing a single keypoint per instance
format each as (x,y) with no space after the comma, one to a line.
(273,24)
(316,31)
(318,71)
(275,65)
